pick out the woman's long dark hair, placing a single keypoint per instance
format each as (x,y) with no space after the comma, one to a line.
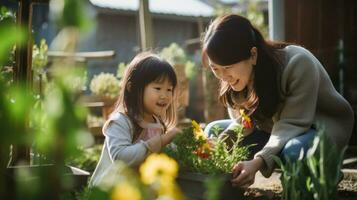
(229,40)
(144,69)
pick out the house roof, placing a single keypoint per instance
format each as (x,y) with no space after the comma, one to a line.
(193,8)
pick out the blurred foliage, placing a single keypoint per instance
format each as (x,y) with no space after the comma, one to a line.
(121,70)
(95,121)
(176,55)
(213,185)
(15,104)
(191,70)
(252,12)
(71,13)
(87,158)
(39,57)
(317,175)
(54,125)
(14,35)
(156,180)
(8,31)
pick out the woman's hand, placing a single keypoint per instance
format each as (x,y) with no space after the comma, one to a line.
(244,172)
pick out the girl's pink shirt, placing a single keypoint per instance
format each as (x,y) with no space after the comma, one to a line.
(150,130)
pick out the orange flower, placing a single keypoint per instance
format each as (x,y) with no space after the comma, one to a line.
(204,151)
(246,121)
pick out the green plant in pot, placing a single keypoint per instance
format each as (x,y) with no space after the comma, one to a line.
(201,158)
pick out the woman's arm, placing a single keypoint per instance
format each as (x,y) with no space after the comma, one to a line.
(300,84)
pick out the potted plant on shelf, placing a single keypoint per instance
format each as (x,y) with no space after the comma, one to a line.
(105,88)
(176,56)
(201,158)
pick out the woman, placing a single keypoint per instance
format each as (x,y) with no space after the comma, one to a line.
(283,88)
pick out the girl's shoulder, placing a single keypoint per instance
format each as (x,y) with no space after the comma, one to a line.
(120,118)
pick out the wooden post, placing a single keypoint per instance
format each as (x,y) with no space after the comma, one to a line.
(145,24)
(23,68)
(22,71)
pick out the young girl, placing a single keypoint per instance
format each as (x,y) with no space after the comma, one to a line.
(144,116)
(284,88)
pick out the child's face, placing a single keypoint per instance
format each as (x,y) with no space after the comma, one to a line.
(157,98)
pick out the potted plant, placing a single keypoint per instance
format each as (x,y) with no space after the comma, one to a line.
(176,56)
(201,158)
(105,87)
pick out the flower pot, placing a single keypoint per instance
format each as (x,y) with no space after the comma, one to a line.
(193,186)
(44,180)
(105,103)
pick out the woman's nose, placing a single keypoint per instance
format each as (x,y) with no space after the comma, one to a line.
(226,77)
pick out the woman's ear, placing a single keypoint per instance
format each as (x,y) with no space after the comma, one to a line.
(128,86)
(254,55)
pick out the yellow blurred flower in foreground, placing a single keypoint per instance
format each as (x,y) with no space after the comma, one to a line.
(197,130)
(158,166)
(169,190)
(125,191)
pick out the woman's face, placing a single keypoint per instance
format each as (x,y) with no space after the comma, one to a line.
(236,75)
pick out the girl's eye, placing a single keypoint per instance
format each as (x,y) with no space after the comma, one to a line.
(157,88)
(169,90)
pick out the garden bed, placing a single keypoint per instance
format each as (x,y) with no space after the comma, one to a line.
(193,186)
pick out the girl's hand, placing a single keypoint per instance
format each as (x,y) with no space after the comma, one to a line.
(174,131)
(244,172)
(169,136)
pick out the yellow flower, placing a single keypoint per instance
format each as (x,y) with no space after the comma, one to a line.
(197,130)
(124,191)
(169,190)
(246,121)
(158,167)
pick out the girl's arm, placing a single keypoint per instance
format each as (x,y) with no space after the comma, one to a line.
(119,143)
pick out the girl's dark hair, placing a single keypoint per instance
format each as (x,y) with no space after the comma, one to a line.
(144,69)
(229,40)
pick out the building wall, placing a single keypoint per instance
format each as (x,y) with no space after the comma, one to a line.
(120,32)
(319,26)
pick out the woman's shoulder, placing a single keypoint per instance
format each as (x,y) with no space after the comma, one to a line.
(298,53)
(301,57)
